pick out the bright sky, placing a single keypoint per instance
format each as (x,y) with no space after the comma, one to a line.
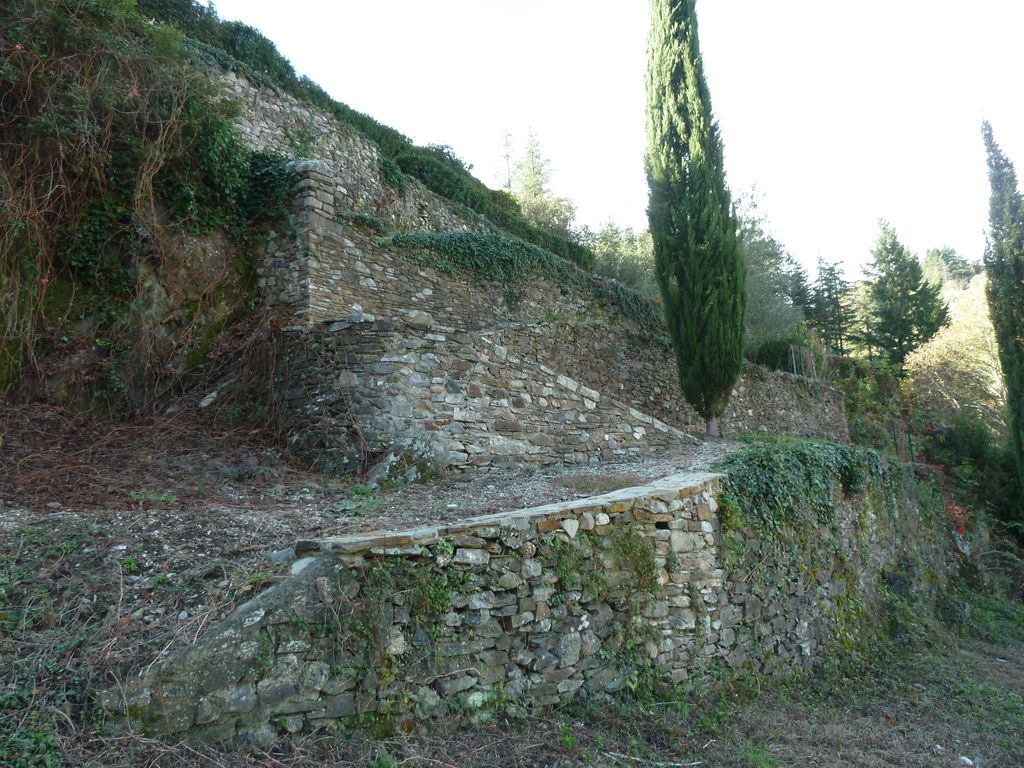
(840,113)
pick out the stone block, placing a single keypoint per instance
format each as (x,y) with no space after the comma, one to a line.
(273,691)
(569,646)
(509,580)
(531,569)
(449,686)
(683,541)
(342,705)
(472,556)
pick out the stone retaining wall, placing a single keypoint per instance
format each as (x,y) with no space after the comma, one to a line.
(521,611)
(336,267)
(275,121)
(354,391)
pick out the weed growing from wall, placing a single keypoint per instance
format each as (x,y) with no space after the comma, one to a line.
(632,552)
(575,567)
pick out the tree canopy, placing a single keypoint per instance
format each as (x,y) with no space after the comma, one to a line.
(529,184)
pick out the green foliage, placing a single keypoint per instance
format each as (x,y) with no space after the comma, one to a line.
(446,175)
(958,369)
(108,128)
(381,758)
(427,590)
(800,354)
(511,262)
(574,566)
(565,736)
(632,551)
(776,287)
(267,190)
(373,223)
(756,756)
(980,466)
(903,309)
(431,597)
(489,256)
(775,486)
(989,617)
(194,19)
(28,743)
(699,264)
(903,620)
(1004,261)
(944,265)
(871,395)
(626,256)
(529,186)
(830,311)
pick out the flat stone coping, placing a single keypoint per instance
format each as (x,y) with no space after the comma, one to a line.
(671,487)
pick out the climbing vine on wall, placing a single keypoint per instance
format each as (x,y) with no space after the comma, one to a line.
(792,483)
(511,261)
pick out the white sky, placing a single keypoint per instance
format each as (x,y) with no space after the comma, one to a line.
(841,113)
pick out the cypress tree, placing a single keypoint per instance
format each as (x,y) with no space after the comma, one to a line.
(698,262)
(1004,262)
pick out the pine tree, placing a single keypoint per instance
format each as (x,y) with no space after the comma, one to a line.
(830,309)
(529,183)
(943,265)
(1004,262)
(904,310)
(698,262)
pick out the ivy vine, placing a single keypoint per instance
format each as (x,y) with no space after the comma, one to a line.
(511,262)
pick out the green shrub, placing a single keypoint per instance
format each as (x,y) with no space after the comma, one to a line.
(980,465)
(109,127)
(871,394)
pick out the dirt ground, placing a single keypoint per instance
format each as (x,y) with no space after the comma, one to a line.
(120,543)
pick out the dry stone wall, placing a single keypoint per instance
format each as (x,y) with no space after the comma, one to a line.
(457,398)
(335,271)
(275,121)
(522,611)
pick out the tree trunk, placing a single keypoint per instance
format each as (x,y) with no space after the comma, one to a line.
(712,426)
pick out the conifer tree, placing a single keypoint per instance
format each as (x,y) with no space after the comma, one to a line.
(698,263)
(1004,262)
(529,184)
(830,311)
(904,310)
